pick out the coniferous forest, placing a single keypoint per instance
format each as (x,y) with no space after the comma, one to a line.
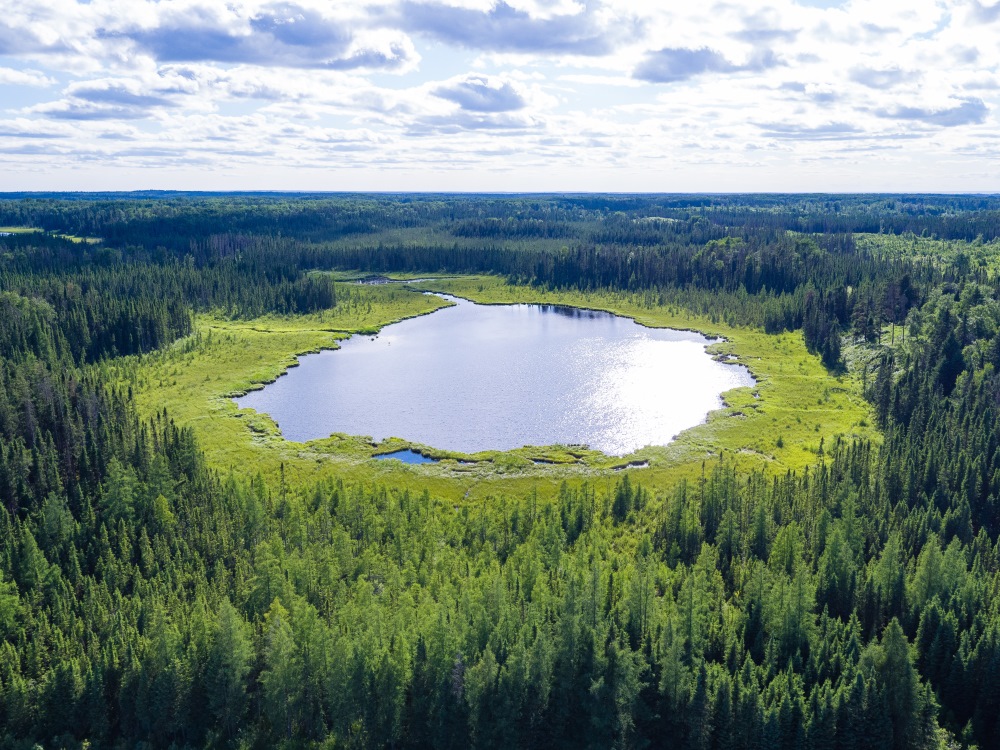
(148,599)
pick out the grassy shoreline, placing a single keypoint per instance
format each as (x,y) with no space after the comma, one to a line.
(779,425)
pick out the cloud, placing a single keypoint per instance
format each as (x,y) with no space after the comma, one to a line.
(498,123)
(881,79)
(833,131)
(985,13)
(279,34)
(506,29)
(673,64)
(562,86)
(20,40)
(821,96)
(854,34)
(29,149)
(11,77)
(765,35)
(118,95)
(765,27)
(965,55)
(481,94)
(72,109)
(824,97)
(117,136)
(981,83)
(669,65)
(109,99)
(25,128)
(967,112)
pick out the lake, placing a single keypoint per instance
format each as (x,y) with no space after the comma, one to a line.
(474,377)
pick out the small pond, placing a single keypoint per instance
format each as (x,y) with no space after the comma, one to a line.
(476,377)
(407,456)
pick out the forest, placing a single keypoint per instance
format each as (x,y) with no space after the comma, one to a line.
(150,599)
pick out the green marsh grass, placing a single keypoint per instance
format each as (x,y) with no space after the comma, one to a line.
(796,407)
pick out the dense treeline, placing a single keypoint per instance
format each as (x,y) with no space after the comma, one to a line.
(108,302)
(770,280)
(169,219)
(694,248)
(382,618)
(147,601)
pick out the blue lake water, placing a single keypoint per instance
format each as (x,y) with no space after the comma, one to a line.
(407,457)
(476,377)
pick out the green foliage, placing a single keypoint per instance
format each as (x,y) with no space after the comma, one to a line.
(227,668)
(147,599)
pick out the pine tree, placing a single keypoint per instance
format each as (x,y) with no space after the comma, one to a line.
(280,677)
(228,665)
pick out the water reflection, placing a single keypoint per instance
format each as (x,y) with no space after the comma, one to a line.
(407,456)
(573,312)
(476,377)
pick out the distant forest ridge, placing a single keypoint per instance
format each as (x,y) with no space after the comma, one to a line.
(319,216)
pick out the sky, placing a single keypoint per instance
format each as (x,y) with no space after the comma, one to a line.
(500,95)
